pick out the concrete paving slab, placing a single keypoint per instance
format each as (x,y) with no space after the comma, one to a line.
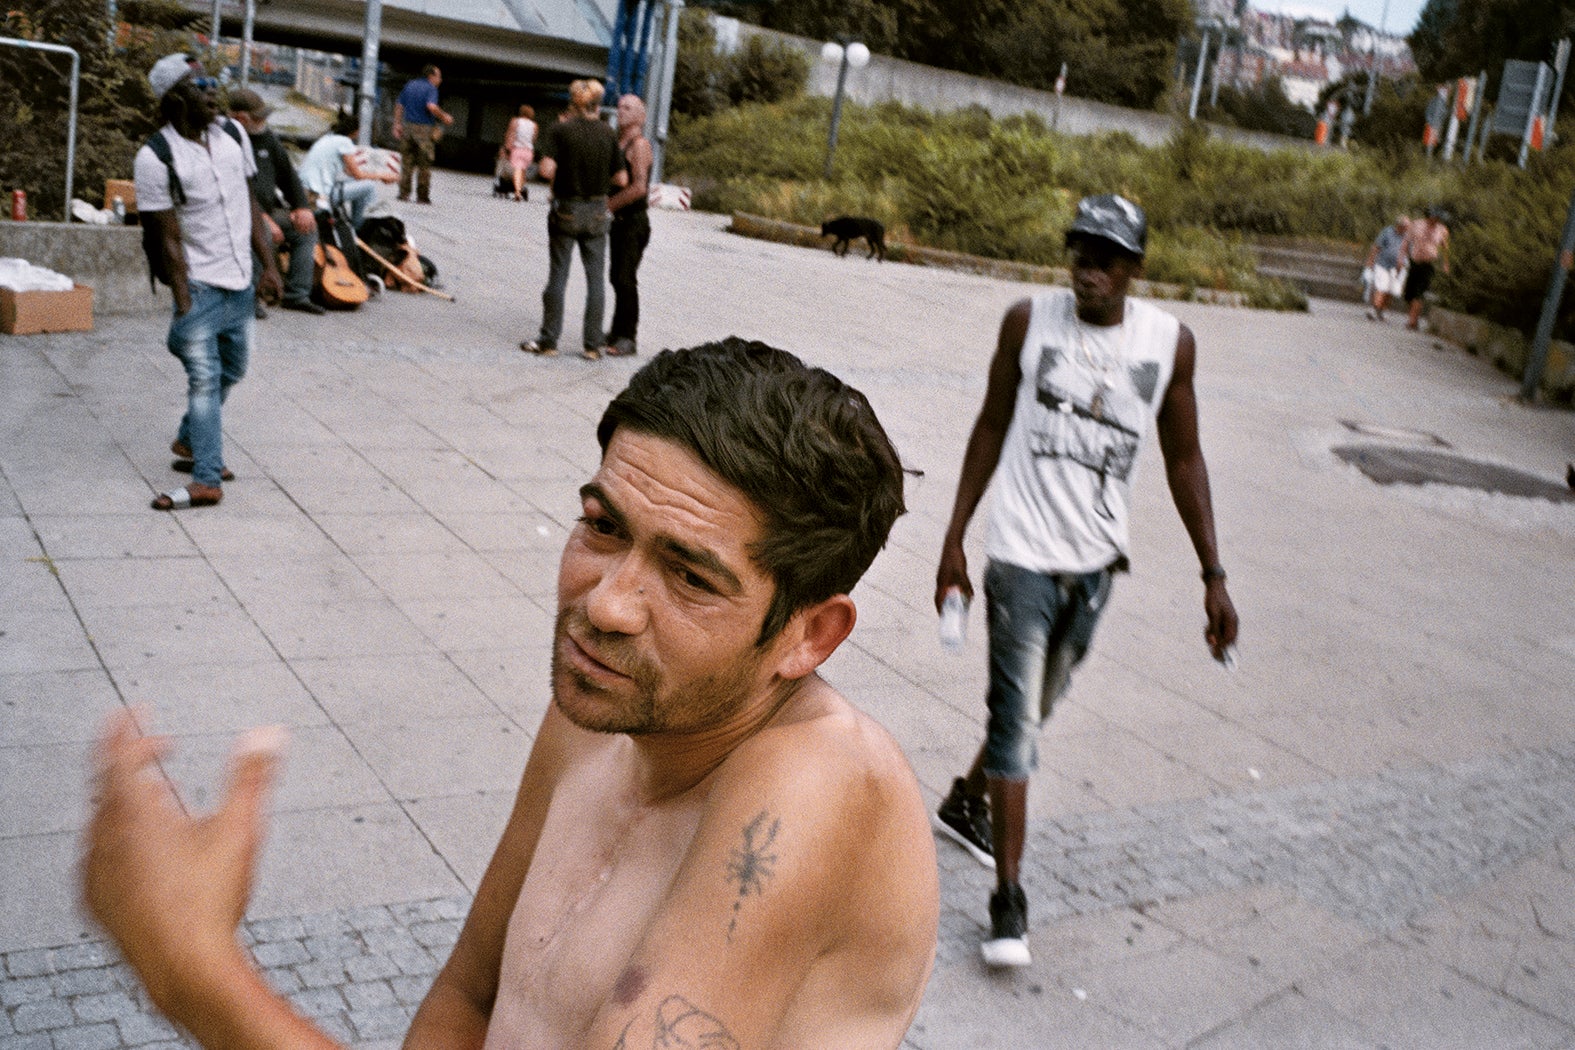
(1403,690)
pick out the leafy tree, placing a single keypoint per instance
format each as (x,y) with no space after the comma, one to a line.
(1458,38)
(765,72)
(116,109)
(881,25)
(697,78)
(705,81)
(1115,52)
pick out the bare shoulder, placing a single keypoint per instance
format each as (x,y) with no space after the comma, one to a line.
(834,753)
(843,783)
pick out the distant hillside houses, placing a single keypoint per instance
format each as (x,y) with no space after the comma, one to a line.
(1307,54)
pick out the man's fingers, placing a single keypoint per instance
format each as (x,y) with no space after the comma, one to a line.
(254,766)
(123,751)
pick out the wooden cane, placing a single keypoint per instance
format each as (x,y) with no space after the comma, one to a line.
(403,276)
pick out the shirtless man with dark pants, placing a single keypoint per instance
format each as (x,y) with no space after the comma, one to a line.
(710,846)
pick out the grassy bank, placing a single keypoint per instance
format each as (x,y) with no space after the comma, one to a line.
(1006,189)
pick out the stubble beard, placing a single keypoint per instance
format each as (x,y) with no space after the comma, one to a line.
(651,709)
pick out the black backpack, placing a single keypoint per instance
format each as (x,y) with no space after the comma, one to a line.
(152,238)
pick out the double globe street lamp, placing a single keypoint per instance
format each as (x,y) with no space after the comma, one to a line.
(845,53)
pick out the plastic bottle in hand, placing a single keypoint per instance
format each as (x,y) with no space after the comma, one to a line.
(954,619)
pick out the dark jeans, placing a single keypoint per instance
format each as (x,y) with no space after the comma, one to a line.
(589,232)
(630,234)
(298,281)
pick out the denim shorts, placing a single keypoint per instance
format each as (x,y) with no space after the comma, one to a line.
(1040,627)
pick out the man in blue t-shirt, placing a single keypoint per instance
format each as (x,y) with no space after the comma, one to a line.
(416,116)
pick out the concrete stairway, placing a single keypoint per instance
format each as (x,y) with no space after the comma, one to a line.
(1320,268)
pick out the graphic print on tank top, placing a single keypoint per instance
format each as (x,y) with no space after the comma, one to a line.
(1092,407)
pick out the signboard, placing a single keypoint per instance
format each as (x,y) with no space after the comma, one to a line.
(1520,95)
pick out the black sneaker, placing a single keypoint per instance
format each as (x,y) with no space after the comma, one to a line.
(966,820)
(1008,943)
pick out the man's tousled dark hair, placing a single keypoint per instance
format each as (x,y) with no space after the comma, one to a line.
(803,446)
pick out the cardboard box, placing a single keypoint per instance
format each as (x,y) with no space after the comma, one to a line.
(24,313)
(125,189)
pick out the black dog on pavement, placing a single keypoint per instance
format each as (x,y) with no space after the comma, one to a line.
(847,228)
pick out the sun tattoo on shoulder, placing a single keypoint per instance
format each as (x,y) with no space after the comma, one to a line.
(751,864)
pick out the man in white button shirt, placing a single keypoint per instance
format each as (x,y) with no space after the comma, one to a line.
(202,206)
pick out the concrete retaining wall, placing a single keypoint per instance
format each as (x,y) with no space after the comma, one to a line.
(107,258)
(783,232)
(942,90)
(1507,349)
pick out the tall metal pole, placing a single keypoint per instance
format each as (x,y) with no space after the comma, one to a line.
(213,39)
(1372,74)
(373,36)
(1561,61)
(247,25)
(836,108)
(1537,360)
(662,111)
(1197,79)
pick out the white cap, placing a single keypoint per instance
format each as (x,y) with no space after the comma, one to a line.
(167,72)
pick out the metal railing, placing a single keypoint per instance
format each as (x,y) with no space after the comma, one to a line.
(71,127)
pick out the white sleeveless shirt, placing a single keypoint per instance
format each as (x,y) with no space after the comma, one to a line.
(1087,400)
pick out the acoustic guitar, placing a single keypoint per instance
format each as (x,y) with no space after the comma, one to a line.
(336,284)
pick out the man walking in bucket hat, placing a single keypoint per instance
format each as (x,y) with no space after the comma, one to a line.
(1076,378)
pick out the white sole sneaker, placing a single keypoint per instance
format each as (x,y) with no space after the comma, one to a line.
(1006,951)
(950,832)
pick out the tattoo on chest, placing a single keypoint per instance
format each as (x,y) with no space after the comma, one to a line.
(750,865)
(680,1025)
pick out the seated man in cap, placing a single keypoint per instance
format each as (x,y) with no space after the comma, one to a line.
(710,847)
(282,198)
(1076,378)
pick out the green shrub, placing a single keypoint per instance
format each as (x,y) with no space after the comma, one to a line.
(116,109)
(706,81)
(1504,238)
(764,71)
(1006,189)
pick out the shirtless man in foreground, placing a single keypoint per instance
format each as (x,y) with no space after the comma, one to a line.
(710,847)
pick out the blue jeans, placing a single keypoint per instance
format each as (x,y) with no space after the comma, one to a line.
(358,194)
(593,256)
(212,340)
(1040,627)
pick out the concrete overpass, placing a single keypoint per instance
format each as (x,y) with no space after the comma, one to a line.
(495,54)
(565,38)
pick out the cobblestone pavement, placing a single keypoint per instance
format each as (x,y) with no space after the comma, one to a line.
(1374,851)
(1365,837)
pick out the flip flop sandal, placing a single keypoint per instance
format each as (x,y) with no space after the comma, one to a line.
(186,466)
(590,353)
(183,499)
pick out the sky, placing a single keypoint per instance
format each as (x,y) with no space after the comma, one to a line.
(1402,13)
